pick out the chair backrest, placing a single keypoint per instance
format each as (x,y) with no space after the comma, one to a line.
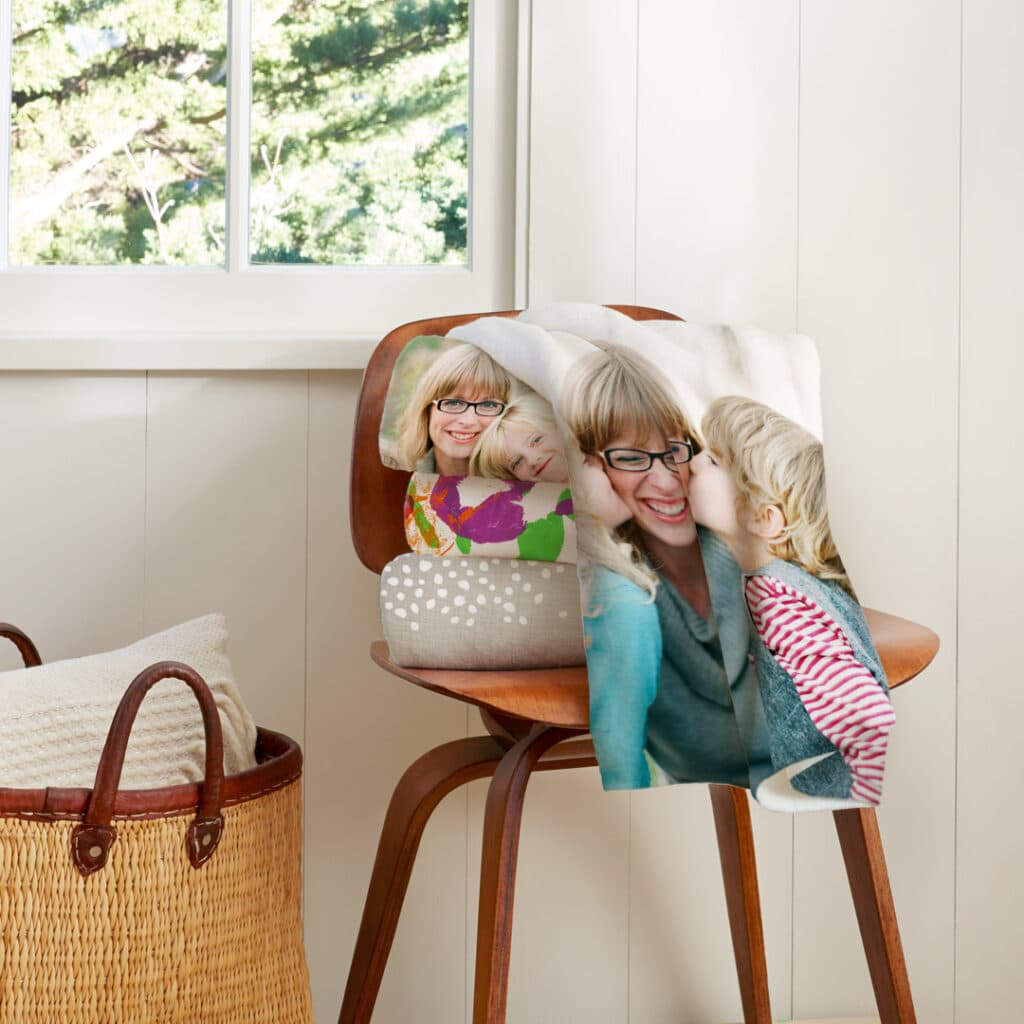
(377,493)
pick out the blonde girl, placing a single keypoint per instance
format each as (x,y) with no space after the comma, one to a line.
(760,485)
(777,503)
(524,443)
(453,403)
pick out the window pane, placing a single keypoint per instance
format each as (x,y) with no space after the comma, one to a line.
(117,131)
(360,123)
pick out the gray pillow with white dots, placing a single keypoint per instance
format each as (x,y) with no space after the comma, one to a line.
(481,613)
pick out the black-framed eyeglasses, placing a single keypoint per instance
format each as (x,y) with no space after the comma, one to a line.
(636,460)
(488,407)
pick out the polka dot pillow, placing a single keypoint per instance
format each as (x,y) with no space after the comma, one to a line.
(481,613)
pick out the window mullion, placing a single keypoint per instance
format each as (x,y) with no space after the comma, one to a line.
(6,55)
(239,98)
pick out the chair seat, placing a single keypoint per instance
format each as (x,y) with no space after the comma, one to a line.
(559,696)
(554,696)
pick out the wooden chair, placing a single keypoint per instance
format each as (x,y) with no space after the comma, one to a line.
(537,720)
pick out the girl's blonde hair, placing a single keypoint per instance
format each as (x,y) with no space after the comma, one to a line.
(462,368)
(774,461)
(612,393)
(526,409)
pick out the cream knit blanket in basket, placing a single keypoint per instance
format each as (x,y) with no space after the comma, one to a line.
(56,717)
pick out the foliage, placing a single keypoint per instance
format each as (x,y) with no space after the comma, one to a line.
(359,131)
(417,357)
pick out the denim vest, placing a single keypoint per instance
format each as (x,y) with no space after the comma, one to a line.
(792,734)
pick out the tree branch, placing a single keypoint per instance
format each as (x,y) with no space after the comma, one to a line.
(193,169)
(209,118)
(24,33)
(28,212)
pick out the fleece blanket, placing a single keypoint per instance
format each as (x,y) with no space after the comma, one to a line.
(681,467)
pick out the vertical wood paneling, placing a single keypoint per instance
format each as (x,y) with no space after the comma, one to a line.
(681,965)
(570,940)
(990,904)
(583,151)
(716,241)
(681,957)
(717,157)
(364,728)
(226,524)
(879,151)
(71,518)
(572,895)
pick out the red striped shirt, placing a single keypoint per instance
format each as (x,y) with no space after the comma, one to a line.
(846,703)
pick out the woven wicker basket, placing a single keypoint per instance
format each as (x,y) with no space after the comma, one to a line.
(166,905)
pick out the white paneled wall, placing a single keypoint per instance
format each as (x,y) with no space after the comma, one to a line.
(582,151)
(879,145)
(716,162)
(850,169)
(798,166)
(364,728)
(990,840)
(226,524)
(73,515)
(716,204)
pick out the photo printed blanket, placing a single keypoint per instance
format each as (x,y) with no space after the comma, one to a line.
(680,467)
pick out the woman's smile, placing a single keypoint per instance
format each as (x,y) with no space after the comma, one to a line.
(463,437)
(656,497)
(454,435)
(669,513)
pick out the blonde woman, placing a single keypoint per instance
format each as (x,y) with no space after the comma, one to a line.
(454,401)
(683,707)
(523,443)
(760,486)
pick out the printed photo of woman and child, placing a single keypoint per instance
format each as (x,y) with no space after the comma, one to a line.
(478,443)
(723,639)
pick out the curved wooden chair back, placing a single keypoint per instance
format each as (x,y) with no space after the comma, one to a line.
(377,493)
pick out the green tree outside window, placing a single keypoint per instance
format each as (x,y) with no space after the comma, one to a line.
(359,130)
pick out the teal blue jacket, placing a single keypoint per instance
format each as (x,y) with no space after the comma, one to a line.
(620,624)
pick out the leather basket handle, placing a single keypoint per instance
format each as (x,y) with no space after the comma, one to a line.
(91,841)
(29,652)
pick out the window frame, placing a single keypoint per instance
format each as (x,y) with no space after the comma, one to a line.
(245,316)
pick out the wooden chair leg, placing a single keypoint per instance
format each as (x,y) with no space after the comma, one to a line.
(739,873)
(502,819)
(861,843)
(425,783)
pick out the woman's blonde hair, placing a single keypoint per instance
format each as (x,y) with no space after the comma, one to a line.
(774,461)
(525,409)
(461,368)
(615,392)
(611,393)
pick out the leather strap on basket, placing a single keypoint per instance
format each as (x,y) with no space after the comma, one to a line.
(91,841)
(29,653)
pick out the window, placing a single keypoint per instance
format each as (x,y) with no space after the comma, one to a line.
(196,174)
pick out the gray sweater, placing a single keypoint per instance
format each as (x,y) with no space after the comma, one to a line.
(707,722)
